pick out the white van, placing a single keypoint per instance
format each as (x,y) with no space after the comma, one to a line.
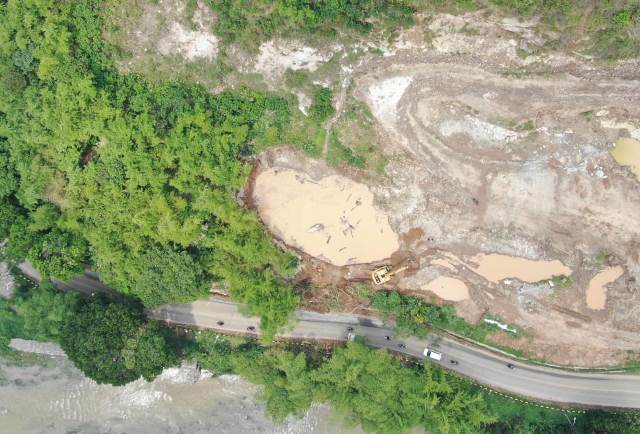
(432,354)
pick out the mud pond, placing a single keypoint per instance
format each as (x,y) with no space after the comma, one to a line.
(448,288)
(332,218)
(495,268)
(627,153)
(597,290)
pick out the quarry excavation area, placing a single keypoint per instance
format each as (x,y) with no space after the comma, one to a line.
(512,197)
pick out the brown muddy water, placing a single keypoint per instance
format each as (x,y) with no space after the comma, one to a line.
(627,153)
(495,268)
(448,288)
(597,290)
(57,398)
(332,218)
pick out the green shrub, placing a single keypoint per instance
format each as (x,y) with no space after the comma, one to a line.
(252,21)
(415,317)
(562,281)
(340,154)
(321,103)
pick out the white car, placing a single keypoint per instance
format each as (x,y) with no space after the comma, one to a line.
(432,354)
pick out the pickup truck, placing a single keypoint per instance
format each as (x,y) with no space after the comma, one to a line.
(432,354)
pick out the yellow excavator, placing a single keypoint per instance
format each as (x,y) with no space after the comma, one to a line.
(384,274)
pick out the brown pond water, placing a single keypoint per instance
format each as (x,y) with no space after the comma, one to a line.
(597,290)
(448,288)
(495,267)
(627,153)
(332,218)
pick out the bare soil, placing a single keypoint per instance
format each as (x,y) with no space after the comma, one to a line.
(497,153)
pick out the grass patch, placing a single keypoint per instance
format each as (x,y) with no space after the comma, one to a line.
(355,130)
(362,291)
(338,154)
(588,115)
(305,134)
(296,78)
(450,6)
(607,29)
(562,281)
(526,126)
(601,257)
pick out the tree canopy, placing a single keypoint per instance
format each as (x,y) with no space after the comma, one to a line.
(168,276)
(135,180)
(111,342)
(46,312)
(371,386)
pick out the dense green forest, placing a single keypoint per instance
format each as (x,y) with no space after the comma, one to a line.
(139,180)
(134,180)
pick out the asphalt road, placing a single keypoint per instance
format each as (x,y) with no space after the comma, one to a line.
(540,383)
(532,381)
